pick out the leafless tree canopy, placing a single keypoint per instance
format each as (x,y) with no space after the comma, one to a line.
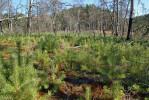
(106,16)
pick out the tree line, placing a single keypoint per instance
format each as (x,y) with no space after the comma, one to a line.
(107,16)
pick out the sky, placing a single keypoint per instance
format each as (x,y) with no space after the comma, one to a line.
(138,8)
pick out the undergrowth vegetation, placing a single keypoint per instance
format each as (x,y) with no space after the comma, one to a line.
(31,64)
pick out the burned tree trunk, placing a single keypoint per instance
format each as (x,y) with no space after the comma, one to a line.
(130,20)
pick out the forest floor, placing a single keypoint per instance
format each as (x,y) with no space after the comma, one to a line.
(76,82)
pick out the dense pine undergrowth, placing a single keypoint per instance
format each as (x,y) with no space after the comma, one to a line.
(32,63)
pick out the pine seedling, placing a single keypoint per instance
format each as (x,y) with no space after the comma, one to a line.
(88,93)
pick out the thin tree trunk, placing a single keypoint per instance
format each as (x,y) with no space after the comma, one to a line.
(104,23)
(121,17)
(117,23)
(125,19)
(9,16)
(29,23)
(78,22)
(37,16)
(1,25)
(113,28)
(130,20)
(54,18)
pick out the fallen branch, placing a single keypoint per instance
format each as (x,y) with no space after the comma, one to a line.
(3,19)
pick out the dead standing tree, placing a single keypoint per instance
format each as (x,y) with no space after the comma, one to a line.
(2,5)
(130,20)
(37,8)
(117,21)
(78,21)
(78,4)
(29,22)
(1,26)
(103,17)
(7,19)
(113,28)
(9,16)
(54,16)
(125,18)
(55,11)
